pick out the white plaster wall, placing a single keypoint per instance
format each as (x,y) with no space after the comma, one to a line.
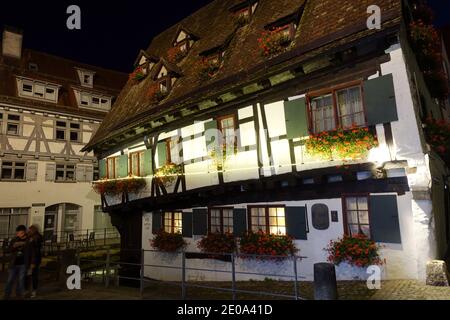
(25,194)
(400,260)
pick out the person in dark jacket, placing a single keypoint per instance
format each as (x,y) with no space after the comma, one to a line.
(35,244)
(19,256)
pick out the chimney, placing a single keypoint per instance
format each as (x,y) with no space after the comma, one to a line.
(12,43)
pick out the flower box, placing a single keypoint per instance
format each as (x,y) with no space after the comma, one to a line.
(168,242)
(120,186)
(268,246)
(350,144)
(138,74)
(168,174)
(274,42)
(217,243)
(176,54)
(155,94)
(208,70)
(357,250)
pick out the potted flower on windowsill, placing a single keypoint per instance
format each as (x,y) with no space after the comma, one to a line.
(218,246)
(263,246)
(168,242)
(220,154)
(119,186)
(438,136)
(176,54)
(353,255)
(155,94)
(344,145)
(208,69)
(138,74)
(273,42)
(168,174)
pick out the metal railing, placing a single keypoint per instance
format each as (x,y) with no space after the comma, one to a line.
(72,239)
(111,268)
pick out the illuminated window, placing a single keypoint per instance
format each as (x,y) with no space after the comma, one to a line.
(357,215)
(341,108)
(172,222)
(268,219)
(221,220)
(173,150)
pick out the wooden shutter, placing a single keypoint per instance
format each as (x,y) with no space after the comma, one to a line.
(162,156)
(50,172)
(122,172)
(211,134)
(156,222)
(148,163)
(200,219)
(239,222)
(187,224)
(32,169)
(296,118)
(296,222)
(89,173)
(102,169)
(80,173)
(384,220)
(379,100)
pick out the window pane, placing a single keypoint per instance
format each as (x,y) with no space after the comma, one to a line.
(351,204)
(6,173)
(350,107)
(365,229)
(323,114)
(12,129)
(73,136)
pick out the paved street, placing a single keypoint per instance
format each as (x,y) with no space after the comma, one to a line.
(391,290)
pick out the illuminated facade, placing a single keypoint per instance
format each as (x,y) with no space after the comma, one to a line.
(237,141)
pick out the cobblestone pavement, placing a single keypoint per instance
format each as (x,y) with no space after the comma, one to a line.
(391,290)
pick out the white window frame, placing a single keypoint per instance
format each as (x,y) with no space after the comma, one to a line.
(39,90)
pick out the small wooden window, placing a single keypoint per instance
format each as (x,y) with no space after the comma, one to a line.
(65,172)
(13,170)
(13,125)
(136,164)
(220,220)
(172,222)
(271,220)
(112,167)
(227,126)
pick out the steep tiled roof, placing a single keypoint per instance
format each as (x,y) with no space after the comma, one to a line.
(59,71)
(323,23)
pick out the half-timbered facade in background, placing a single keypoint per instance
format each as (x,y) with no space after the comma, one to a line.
(218,118)
(50,108)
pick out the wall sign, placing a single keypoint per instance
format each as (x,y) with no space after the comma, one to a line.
(334,216)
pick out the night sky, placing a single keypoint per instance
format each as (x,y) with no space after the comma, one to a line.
(112,32)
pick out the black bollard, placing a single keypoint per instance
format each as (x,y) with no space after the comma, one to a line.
(325,284)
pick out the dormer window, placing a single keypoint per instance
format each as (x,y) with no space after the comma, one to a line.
(211,64)
(244,11)
(92,100)
(163,82)
(143,65)
(33,67)
(86,78)
(29,88)
(181,46)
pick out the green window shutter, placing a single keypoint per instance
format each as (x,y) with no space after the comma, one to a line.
(379,100)
(211,134)
(162,156)
(384,220)
(102,169)
(239,222)
(187,221)
(296,222)
(296,118)
(156,222)
(148,163)
(122,172)
(200,222)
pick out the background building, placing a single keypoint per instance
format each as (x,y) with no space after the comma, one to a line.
(50,107)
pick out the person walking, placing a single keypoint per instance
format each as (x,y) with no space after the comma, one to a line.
(35,244)
(18,250)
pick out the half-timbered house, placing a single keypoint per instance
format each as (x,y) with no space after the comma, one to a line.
(226,116)
(50,108)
